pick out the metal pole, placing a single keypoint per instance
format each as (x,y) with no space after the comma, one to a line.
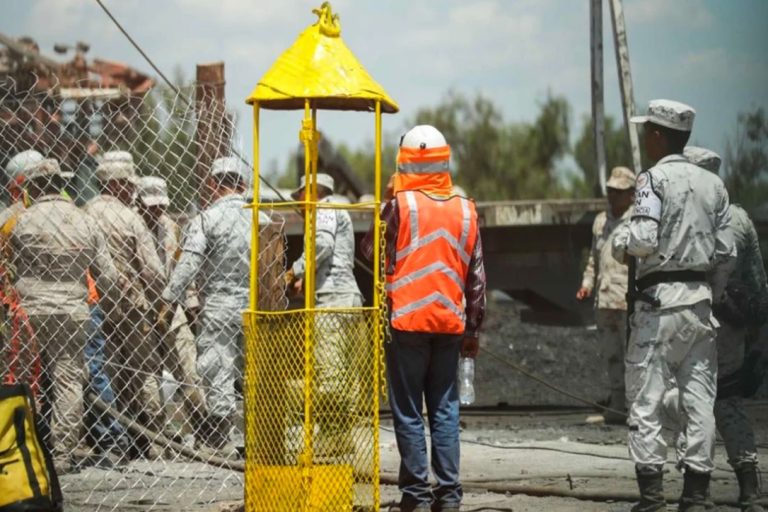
(598,105)
(625,79)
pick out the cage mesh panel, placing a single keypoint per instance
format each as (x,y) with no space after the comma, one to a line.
(173,465)
(311,377)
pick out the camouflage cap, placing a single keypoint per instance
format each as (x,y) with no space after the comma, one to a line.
(622,178)
(44,168)
(18,166)
(323,180)
(704,158)
(671,114)
(116,165)
(153,191)
(230,165)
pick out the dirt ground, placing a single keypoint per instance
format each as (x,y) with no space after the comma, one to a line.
(514,454)
(528,459)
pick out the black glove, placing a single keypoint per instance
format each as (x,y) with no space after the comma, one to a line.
(728,311)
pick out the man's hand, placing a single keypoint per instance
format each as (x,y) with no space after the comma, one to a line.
(470,346)
(164,316)
(295,288)
(289,278)
(584,293)
(192,315)
(389,192)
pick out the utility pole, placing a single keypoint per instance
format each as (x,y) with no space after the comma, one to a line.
(625,79)
(213,132)
(598,104)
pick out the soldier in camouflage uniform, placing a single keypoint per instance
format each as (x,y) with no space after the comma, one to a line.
(746,296)
(53,243)
(335,287)
(133,356)
(152,203)
(611,290)
(216,253)
(673,329)
(13,358)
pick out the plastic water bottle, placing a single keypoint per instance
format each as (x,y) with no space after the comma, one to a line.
(466,381)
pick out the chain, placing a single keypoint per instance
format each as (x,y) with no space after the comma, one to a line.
(383,335)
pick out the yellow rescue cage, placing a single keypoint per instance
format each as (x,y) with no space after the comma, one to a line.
(312,429)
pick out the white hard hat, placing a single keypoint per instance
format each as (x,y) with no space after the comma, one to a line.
(21,163)
(423,150)
(423,136)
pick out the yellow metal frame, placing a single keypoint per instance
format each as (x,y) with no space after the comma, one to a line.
(258,478)
(307,77)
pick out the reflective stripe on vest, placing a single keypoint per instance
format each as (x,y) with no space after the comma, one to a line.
(433,252)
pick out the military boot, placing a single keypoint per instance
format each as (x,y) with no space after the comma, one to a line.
(749,490)
(651,485)
(695,497)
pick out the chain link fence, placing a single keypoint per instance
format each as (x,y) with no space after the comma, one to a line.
(128,400)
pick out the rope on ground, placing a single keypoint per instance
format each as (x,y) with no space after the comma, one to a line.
(548,384)
(163,442)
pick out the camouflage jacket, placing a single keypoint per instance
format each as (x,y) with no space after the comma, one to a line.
(216,253)
(610,283)
(132,248)
(334,256)
(680,222)
(53,244)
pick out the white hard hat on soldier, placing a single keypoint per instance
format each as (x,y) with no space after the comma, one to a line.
(423,136)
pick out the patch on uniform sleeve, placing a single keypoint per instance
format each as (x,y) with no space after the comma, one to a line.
(647,202)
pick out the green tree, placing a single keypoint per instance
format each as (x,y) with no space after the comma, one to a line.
(617,152)
(745,166)
(498,160)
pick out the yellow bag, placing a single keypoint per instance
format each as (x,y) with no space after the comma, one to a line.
(28,481)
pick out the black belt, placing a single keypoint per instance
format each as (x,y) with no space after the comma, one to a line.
(675,276)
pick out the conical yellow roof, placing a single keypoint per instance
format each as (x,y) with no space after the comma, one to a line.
(319,66)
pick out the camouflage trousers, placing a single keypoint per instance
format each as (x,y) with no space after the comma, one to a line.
(61,339)
(333,392)
(732,420)
(220,361)
(611,332)
(667,348)
(730,414)
(134,361)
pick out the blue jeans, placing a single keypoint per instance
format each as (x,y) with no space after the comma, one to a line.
(423,366)
(103,429)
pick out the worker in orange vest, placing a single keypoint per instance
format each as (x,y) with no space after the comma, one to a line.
(436,297)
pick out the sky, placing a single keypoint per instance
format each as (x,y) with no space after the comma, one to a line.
(711,54)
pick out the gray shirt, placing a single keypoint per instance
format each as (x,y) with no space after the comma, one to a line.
(216,253)
(335,256)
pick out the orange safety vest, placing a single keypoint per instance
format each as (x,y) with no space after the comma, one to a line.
(434,248)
